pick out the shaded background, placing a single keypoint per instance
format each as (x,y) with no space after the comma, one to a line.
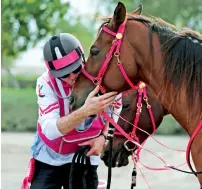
(26,24)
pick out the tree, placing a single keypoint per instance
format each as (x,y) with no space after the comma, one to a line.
(182,13)
(26,22)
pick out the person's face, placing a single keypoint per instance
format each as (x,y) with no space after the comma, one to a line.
(70,78)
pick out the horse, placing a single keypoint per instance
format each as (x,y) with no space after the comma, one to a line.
(121,152)
(129,49)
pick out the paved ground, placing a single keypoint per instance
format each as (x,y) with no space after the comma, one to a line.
(15,156)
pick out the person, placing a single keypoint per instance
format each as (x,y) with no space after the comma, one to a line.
(59,130)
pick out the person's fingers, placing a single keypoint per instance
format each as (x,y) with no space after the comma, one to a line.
(107,104)
(108,100)
(94,92)
(91,152)
(107,95)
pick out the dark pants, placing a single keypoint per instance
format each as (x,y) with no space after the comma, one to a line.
(54,177)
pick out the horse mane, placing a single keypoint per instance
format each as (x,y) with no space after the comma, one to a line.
(182,52)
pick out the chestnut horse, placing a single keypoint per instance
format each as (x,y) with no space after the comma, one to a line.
(129,49)
(129,109)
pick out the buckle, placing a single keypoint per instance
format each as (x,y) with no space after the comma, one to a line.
(117,55)
(95,81)
(127,148)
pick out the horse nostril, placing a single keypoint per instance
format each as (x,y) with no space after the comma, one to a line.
(71,100)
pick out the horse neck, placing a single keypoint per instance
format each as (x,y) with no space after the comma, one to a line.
(177,106)
(152,74)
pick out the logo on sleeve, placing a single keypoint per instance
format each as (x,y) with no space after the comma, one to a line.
(40,87)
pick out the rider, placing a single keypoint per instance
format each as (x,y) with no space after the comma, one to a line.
(59,130)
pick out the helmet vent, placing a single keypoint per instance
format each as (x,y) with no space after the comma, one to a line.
(58,53)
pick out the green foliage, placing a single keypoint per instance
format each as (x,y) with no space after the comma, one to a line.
(19,110)
(24,81)
(184,13)
(24,23)
(170,126)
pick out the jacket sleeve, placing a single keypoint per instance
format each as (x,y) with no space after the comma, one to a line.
(48,109)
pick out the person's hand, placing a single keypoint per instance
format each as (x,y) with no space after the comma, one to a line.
(96,144)
(96,104)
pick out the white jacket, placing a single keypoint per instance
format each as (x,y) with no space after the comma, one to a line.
(48,113)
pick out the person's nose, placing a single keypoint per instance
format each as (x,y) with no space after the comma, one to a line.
(72,76)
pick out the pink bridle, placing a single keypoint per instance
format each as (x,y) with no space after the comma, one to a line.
(142,95)
(114,50)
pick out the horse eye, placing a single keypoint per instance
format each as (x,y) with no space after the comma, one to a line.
(94,51)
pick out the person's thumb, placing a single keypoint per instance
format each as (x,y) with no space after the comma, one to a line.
(94,92)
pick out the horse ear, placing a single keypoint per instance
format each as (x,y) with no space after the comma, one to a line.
(137,11)
(119,16)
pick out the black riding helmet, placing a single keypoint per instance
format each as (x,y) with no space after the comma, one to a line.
(63,54)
